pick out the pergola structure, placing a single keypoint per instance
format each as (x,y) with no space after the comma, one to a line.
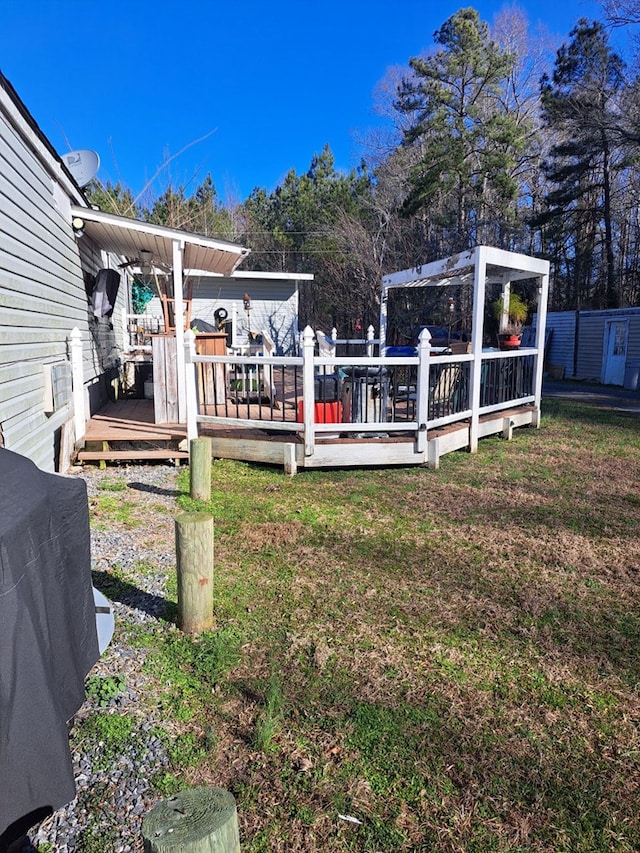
(479,267)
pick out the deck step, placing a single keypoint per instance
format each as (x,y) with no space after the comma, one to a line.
(96,455)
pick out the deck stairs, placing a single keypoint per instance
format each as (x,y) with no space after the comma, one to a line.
(125,431)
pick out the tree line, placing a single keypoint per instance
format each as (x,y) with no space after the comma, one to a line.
(492,139)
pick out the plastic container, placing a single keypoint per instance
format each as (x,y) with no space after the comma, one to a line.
(398,352)
(324,413)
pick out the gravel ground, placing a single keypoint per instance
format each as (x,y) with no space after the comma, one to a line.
(122,794)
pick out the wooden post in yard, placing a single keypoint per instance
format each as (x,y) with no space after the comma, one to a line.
(199,820)
(194,563)
(200,468)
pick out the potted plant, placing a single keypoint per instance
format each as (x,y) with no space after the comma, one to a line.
(510,333)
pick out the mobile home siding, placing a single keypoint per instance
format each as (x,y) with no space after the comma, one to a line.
(578,340)
(561,351)
(42,295)
(590,346)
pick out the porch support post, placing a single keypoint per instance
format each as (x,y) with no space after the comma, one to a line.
(178,248)
(234,325)
(191,392)
(479,282)
(77,382)
(422,389)
(543,293)
(308,390)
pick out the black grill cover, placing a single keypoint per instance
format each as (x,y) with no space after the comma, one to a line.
(48,637)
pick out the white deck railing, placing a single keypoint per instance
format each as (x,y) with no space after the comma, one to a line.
(384,396)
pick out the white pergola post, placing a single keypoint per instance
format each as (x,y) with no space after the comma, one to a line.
(543,294)
(384,295)
(178,249)
(506,298)
(477,334)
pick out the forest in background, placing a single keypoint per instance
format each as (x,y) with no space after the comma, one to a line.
(494,138)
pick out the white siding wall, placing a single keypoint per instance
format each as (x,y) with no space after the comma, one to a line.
(42,297)
(274,306)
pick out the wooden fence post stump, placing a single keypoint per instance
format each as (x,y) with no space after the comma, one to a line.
(200,468)
(199,820)
(194,565)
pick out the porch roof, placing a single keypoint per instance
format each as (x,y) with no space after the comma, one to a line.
(130,237)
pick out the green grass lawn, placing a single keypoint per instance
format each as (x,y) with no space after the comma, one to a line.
(421,660)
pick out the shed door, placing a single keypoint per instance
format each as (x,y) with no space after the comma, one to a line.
(615,351)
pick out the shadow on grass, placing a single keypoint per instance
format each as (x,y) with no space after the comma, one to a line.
(132,596)
(155,490)
(604,412)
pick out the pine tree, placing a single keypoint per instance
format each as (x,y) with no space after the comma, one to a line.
(467,141)
(581,107)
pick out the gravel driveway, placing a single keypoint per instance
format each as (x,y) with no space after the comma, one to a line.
(122,793)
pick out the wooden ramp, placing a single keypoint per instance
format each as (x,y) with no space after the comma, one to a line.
(125,430)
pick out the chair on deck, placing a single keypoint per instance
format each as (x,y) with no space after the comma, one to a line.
(268,350)
(251,382)
(403,378)
(446,394)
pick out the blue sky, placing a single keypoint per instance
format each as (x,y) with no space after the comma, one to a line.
(270,82)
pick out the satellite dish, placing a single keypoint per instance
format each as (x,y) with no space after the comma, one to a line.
(83,165)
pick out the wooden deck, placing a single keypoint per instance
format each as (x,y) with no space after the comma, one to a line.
(125,431)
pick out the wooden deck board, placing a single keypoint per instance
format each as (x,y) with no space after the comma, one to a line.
(131,420)
(96,455)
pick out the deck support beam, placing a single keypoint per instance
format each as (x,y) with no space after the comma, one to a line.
(191,391)
(433,454)
(507,429)
(422,388)
(290,461)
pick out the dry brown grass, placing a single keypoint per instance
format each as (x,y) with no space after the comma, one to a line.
(456,653)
